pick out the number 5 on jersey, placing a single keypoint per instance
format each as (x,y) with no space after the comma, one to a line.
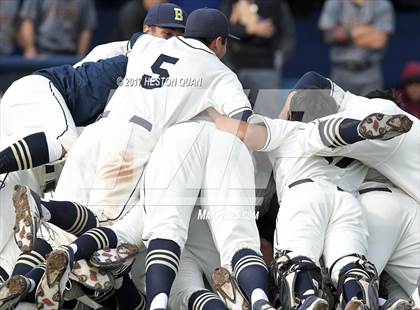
(148,82)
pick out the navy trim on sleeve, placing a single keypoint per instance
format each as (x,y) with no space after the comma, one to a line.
(242,115)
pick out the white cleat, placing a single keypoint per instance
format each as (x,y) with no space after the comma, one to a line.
(115,260)
(90,276)
(355,304)
(229,291)
(314,303)
(383,127)
(396,304)
(27,205)
(50,292)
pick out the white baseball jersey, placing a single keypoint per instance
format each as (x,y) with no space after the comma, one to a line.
(286,145)
(106,50)
(315,217)
(170,81)
(397,159)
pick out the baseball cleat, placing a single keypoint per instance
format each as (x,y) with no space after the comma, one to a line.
(229,291)
(262,305)
(383,127)
(355,304)
(50,291)
(91,277)
(396,304)
(27,207)
(12,291)
(111,259)
(314,303)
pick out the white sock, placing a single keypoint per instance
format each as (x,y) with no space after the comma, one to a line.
(159,302)
(381,301)
(55,149)
(32,285)
(306,294)
(46,215)
(258,294)
(118,282)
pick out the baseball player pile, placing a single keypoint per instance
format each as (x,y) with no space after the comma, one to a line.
(149,147)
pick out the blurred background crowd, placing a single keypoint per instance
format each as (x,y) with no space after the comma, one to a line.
(362,45)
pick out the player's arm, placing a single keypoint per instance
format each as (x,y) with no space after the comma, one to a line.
(254,136)
(226,95)
(104,51)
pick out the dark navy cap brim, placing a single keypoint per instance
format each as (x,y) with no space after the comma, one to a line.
(169,25)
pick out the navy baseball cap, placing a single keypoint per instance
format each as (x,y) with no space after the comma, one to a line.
(166,15)
(207,23)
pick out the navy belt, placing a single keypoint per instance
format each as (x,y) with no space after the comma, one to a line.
(374,189)
(135,120)
(50,184)
(302,181)
(298,182)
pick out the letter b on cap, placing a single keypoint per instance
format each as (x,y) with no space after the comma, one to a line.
(178,14)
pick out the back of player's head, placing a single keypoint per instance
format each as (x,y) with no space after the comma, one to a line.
(388,94)
(207,23)
(166,15)
(310,104)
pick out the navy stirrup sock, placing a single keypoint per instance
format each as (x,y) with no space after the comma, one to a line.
(27,153)
(162,263)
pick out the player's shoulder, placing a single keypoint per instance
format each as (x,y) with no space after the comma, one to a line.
(146,40)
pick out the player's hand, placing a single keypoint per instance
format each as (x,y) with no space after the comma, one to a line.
(284,114)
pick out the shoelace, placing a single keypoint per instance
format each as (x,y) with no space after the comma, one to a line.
(2,182)
(52,234)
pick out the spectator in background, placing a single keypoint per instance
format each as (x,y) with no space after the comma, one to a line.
(266,29)
(358,32)
(8,20)
(57,27)
(409,92)
(131,17)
